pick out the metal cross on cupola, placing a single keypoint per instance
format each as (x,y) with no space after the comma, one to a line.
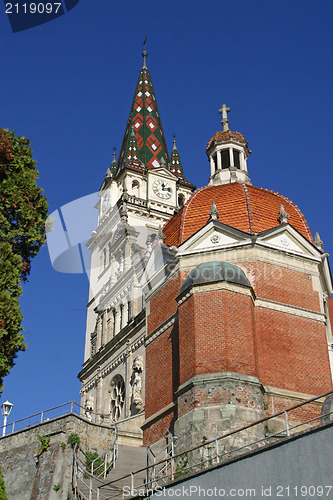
(224,112)
(227,152)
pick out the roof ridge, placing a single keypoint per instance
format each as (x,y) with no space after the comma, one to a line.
(248,206)
(300,213)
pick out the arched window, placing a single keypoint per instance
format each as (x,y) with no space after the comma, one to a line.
(181,200)
(135,188)
(117,397)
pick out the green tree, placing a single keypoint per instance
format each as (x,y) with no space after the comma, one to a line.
(23,211)
(3,494)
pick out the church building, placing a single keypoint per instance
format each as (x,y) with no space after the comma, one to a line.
(208,308)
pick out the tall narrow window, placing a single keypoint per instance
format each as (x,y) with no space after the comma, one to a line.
(102,329)
(104,258)
(113,322)
(215,161)
(129,310)
(225,158)
(121,316)
(181,199)
(236,158)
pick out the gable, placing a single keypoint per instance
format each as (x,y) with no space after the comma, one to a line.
(213,235)
(164,173)
(286,238)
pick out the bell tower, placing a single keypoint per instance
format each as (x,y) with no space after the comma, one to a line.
(139,194)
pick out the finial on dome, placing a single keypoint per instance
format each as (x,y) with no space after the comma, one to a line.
(145,54)
(213,212)
(318,242)
(283,216)
(224,112)
(174,141)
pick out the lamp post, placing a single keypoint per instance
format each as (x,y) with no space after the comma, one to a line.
(5,408)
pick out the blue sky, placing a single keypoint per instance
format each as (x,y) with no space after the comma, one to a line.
(68,86)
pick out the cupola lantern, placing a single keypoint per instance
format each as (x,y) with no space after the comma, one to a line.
(227,152)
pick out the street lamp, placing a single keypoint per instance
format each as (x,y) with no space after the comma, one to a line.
(5,408)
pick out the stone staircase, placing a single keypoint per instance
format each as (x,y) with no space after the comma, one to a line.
(130,459)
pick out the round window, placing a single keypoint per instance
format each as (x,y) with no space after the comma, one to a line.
(117,397)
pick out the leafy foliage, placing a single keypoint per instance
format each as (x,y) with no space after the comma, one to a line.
(56,487)
(97,464)
(23,211)
(73,439)
(44,443)
(3,494)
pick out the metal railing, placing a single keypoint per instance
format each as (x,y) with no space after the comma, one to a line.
(219,450)
(87,472)
(157,463)
(70,408)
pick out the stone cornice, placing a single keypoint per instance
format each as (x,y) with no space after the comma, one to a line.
(217,378)
(285,393)
(132,328)
(161,329)
(220,285)
(159,414)
(288,309)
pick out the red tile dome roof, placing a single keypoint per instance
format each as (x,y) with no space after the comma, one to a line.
(248,208)
(226,135)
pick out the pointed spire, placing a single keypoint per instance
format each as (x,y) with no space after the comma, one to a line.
(114,164)
(283,216)
(145,54)
(176,165)
(213,212)
(132,154)
(318,242)
(145,121)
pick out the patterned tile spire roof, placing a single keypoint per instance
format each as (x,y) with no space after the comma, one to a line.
(175,164)
(144,119)
(132,158)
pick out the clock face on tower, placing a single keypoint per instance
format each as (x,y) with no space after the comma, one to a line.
(162,189)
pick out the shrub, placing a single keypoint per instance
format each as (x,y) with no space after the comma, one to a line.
(73,439)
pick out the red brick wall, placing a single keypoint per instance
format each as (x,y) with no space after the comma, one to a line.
(216,334)
(157,430)
(310,411)
(282,285)
(292,352)
(159,370)
(222,331)
(163,304)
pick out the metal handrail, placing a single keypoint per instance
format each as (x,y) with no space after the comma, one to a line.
(173,459)
(80,467)
(74,409)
